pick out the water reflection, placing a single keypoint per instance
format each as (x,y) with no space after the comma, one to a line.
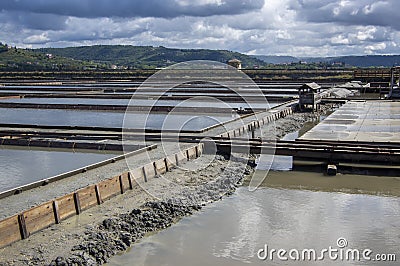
(107,119)
(22,166)
(142,102)
(230,232)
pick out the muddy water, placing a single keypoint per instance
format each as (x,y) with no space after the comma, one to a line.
(232,231)
(23,166)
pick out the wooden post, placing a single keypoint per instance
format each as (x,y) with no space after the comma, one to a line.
(155,168)
(130,180)
(166,165)
(121,184)
(77,203)
(22,226)
(98,195)
(144,174)
(56,212)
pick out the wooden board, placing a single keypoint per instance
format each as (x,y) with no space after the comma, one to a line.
(9,231)
(109,188)
(160,166)
(66,206)
(191,153)
(181,157)
(87,197)
(125,181)
(149,170)
(39,217)
(137,175)
(171,161)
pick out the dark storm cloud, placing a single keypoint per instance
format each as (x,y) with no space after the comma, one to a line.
(34,20)
(294,27)
(132,8)
(361,12)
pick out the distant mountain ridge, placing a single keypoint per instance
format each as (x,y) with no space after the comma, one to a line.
(101,57)
(277,59)
(355,61)
(147,56)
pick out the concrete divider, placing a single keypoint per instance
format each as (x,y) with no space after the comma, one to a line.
(22,225)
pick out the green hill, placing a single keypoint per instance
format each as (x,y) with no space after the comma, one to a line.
(147,56)
(12,58)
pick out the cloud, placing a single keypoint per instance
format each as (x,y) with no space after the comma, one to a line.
(37,39)
(282,27)
(360,12)
(33,20)
(132,8)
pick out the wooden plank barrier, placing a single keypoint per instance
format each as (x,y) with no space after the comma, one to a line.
(109,188)
(199,149)
(66,206)
(258,123)
(125,184)
(149,170)
(191,154)
(10,230)
(160,166)
(170,162)
(87,197)
(39,217)
(21,226)
(180,158)
(138,175)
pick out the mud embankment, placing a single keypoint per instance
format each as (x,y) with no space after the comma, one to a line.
(118,233)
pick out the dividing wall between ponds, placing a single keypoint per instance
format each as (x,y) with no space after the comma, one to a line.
(250,127)
(21,226)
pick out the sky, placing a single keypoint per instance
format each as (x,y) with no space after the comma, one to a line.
(263,27)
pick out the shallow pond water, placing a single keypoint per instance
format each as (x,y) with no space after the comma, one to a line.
(21,166)
(234,230)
